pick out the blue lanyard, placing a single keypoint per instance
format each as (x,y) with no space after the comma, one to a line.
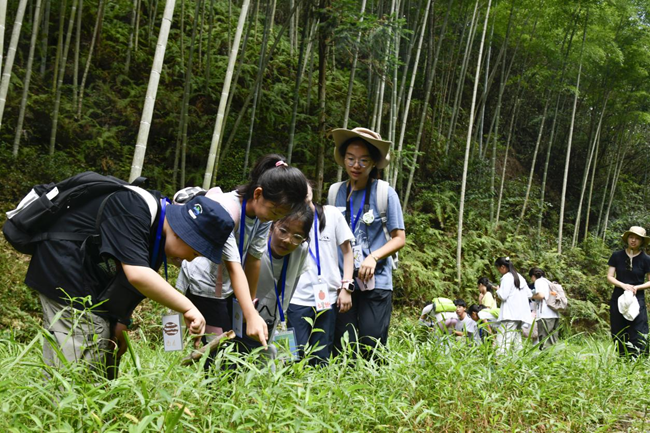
(242,231)
(353,220)
(283,280)
(156,247)
(317,256)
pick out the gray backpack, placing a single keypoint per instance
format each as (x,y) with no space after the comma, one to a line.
(382,207)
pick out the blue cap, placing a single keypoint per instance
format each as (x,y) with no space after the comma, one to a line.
(203,224)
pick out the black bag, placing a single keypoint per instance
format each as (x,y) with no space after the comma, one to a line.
(28,224)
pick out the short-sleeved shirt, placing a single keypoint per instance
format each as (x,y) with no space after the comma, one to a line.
(209,280)
(469,327)
(637,276)
(543,311)
(270,272)
(489,301)
(371,236)
(126,236)
(335,233)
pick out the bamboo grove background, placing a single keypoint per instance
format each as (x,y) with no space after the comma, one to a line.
(519,126)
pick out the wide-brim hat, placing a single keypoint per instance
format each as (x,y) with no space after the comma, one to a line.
(203,224)
(341,136)
(639,231)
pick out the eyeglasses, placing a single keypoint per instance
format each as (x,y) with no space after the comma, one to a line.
(294,238)
(363,162)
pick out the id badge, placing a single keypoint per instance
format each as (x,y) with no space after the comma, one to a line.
(285,341)
(172,332)
(357,251)
(368,285)
(322,297)
(237,319)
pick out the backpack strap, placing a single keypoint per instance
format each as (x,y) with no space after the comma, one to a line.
(333,192)
(382,208)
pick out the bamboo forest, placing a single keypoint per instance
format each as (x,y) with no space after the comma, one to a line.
(518,129)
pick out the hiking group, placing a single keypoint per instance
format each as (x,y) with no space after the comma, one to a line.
(268,263)
(262,260)
(532,310)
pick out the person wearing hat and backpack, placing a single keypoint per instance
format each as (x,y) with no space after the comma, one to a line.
(117,263)
(373,212)
(629,270)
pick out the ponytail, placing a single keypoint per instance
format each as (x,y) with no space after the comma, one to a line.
(488,285)
(505,261)
(281,184)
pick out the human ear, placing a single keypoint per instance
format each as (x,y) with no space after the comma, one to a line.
(257,193)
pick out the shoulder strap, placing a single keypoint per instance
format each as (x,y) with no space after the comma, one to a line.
(151,201)
(333,192)
(382,208)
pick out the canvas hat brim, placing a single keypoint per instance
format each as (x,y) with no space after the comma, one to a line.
(639,231)
(341,135)
(203,224)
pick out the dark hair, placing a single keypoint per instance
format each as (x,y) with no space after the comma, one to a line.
(488,285)
(375,154)
(281,184)
(473,309)
(505,261)
(304,215)
(460,303)
(536,272)
(322,220)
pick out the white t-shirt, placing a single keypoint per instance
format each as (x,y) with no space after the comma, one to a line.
(541,308)
(335,233)
(205,278)
(468,326)
(514,305)
(270,272)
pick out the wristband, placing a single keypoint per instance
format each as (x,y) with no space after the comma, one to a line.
(374,257)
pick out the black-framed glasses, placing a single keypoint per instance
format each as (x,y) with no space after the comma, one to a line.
(294,238)
(363,162)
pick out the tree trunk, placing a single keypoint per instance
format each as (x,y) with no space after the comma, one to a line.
(64,58)
(323,47)
(152,90)
(100,17)
(44,40)
(585,177)
(591,186)
(216,136)
(137,26)
(3,20)
(459,241)
(28,76)
(568,150)
(59,44)
(348,98)
(75,73)
(497,116)
(208,51)
(270,16)
(296,92)
(515,109)
(425,105)
(11,54)
(127,64)
(617,173)
(532,165)
(397,169)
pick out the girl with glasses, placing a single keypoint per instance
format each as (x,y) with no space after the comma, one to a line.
(378,235)
(629,270)
(321,289)
(274,190)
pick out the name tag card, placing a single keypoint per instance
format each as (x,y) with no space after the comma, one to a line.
(285,341)
(322,296)
(357,251)
(172,332)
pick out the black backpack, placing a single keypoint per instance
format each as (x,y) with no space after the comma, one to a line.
(28,224)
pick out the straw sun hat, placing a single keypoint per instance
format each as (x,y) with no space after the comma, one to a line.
(639,231)
(341,136)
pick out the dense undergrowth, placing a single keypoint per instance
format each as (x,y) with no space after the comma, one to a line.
(418,384)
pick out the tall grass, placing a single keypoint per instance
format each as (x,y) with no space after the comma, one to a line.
(418,384)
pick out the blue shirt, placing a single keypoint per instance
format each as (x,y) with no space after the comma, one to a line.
(371,236)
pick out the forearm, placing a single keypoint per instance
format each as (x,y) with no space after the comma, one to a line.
(240,288)
(153,286)
(396,243)
(252,271)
